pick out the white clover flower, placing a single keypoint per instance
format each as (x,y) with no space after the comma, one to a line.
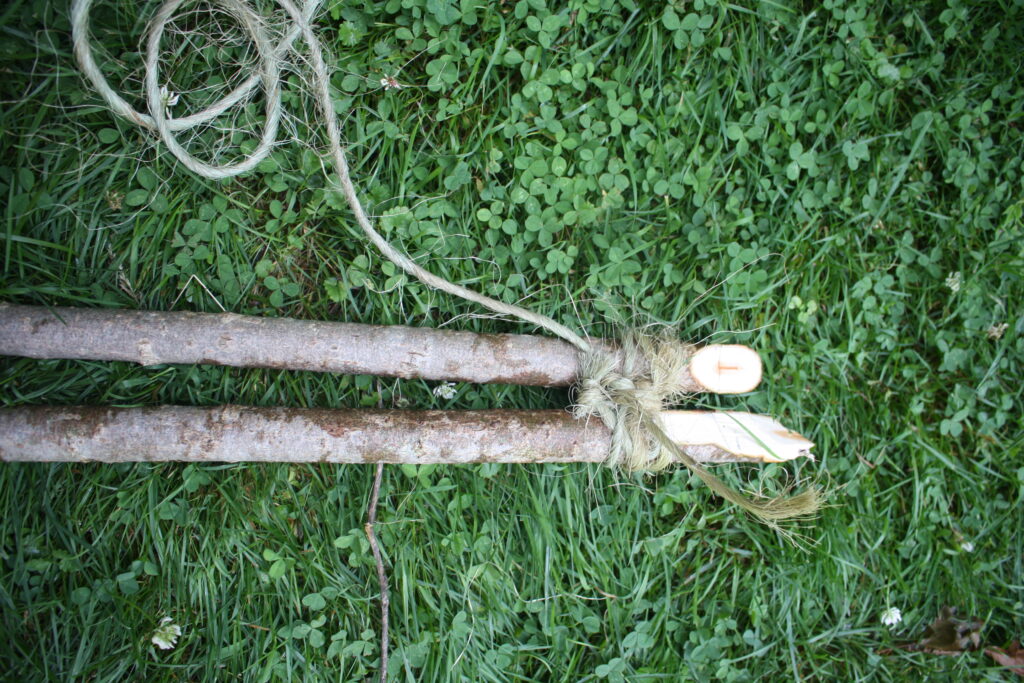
(168,97)
(166,634)
(445,390)
(953,281)
(390,83)
(892,616)
(996,331)
(967,546)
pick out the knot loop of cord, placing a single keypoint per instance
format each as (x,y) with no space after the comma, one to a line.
(626,392)
(630,388)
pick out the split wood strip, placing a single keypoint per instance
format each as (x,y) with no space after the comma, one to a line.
(249,434)
(150,337)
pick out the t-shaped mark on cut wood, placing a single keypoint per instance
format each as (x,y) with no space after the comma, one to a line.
(726,368)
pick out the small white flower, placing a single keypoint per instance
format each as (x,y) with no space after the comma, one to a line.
(390,83)
(892,616)
(445,390)
(967,546)
(166,634)
(168,97)
(953,281)
(996,331)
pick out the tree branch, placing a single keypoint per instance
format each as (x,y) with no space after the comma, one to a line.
(150,337)
(382,576)
(249,434)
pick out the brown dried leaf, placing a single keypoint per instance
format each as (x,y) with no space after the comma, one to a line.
(1012,657)
(948,635)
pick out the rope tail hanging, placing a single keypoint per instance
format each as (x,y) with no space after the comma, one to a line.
(626,391)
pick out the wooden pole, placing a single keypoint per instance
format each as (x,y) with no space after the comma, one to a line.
(249,434)
(150,337)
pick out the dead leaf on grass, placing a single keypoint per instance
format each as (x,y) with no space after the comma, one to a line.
(1012,657)
(947,635)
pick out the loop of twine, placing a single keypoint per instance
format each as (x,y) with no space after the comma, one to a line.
(271,61)
(627,393)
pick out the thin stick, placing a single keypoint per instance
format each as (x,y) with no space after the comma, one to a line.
(150,337)
(382,577)
(251,434)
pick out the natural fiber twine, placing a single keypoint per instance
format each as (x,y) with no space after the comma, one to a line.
(627,391)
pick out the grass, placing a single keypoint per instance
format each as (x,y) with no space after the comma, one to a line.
(807,180)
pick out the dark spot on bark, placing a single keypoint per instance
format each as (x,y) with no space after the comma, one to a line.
(80,422)
(535,378)
(374,457)
(40,323)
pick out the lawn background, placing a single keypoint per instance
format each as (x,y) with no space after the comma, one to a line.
(837,185)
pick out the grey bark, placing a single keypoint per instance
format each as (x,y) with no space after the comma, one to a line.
(249,434)
(149,337)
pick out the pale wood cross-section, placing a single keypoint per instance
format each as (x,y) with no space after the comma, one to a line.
(726,368)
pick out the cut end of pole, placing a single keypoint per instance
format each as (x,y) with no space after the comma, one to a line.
(757,438)
(726,368)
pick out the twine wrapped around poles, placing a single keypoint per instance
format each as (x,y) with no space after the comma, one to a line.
(625,391)
(628,397)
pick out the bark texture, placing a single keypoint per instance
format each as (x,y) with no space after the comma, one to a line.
(150,337)
(248,434)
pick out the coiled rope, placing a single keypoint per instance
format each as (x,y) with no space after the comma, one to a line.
(626,391)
